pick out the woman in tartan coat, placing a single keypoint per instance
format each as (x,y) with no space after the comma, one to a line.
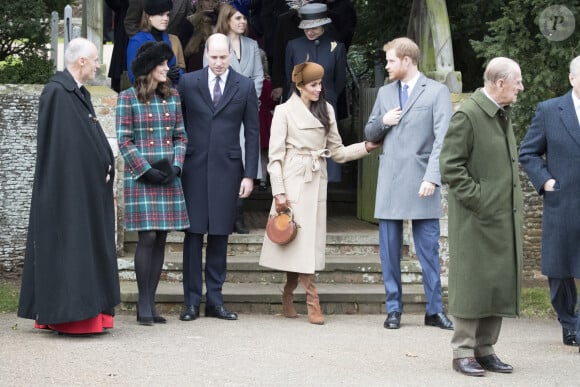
(152,140)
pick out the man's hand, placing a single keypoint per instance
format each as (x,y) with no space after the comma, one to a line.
(549,185)
(246,187)
(392,117)
(426,189)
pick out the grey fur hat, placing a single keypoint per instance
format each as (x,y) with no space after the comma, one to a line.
(149,55)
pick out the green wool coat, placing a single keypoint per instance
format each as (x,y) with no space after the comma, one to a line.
(479,163)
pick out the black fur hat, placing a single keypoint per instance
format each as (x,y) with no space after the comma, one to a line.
(157,7)
(149,55)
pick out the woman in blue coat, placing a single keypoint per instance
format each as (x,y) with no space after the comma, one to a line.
(153,29)
(152,140)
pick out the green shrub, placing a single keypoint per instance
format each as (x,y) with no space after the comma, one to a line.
(23,42)
(25,70)
(544,63)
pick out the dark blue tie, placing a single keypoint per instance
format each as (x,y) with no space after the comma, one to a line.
(404,95)
(217,91)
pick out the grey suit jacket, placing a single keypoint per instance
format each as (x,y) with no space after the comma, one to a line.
(410,149)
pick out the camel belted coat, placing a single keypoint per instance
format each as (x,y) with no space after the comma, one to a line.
(299,147)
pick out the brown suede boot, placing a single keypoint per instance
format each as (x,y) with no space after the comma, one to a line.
(288,297)
(312,301)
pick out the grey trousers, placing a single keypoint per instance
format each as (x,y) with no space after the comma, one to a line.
(475,337)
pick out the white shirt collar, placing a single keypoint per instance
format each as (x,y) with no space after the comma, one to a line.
(576,102)
(212,76)
(489,96)
(412,82)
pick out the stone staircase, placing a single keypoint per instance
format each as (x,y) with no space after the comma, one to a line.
(350,283)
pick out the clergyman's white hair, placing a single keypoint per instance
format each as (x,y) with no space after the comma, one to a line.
(77,48)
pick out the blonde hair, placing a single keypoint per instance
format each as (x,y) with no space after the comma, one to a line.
(404,47)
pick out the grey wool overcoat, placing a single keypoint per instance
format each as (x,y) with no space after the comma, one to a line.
(410,149)
(479,164)
(299,146)
(551,149)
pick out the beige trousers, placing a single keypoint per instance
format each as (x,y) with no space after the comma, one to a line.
(475,337)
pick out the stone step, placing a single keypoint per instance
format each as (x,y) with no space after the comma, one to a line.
(355,242)
(244,268)
(266,298)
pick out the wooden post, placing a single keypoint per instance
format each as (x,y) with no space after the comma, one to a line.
(429,27)
(54,39)
(93,29)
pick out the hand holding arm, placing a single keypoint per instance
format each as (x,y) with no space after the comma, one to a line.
(371,146)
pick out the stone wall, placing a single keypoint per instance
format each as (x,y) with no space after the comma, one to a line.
(18,118)
(18,115)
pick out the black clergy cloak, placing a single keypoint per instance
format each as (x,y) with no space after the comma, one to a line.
(70,266)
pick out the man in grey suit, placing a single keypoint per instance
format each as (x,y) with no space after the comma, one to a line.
(410,116)
(555,175)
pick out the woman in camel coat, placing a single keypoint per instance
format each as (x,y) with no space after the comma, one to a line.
(303,135)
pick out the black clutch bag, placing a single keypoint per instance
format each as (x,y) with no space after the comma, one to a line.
(164,166)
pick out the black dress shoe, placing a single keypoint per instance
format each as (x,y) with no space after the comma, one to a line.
(439,320)
(220,311)
(468,366)
(145,320)
(159,320)
(393,320)
(569,337)
(493,364)
(189,313)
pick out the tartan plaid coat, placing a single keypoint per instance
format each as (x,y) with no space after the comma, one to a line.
(147,133)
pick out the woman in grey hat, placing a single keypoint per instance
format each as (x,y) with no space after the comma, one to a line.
(318,47)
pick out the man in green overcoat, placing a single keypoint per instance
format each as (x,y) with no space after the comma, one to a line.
(479,163)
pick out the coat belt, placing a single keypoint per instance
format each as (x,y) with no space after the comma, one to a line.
(313,159)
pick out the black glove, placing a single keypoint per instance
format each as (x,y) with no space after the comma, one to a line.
(170,178)
(173,73)
(154,176)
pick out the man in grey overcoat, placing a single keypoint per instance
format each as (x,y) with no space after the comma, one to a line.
(556,176)
(479,165)
(410,115)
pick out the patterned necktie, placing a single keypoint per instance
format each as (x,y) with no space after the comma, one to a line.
(404,95)
(217,91)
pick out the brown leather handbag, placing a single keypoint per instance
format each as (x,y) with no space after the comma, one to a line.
(281,227)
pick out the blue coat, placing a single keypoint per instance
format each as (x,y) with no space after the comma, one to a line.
(213,166)
(551,150)
(136,41)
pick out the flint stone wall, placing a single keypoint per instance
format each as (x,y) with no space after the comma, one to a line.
(18,117)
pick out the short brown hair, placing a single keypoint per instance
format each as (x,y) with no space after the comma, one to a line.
(404,47)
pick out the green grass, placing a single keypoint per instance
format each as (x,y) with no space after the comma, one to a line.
(8,296)
(535,301)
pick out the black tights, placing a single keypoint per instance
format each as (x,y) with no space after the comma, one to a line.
(149,258)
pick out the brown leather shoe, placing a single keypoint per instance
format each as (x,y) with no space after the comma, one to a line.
(468,366)
(493,364)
